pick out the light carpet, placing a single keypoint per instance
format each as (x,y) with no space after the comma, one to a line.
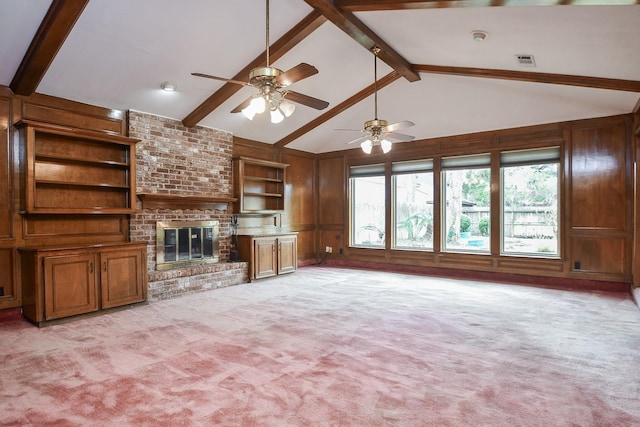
(334,347)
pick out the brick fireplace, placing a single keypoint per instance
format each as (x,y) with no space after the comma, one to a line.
(183,175)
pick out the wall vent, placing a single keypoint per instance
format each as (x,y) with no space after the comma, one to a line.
(526,60)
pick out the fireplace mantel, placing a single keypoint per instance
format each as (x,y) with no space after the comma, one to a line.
(172,201)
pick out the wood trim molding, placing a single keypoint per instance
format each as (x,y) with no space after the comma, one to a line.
(526,76)
(384,81)
(362,34)
(53,31)
(284,44)
(172,201)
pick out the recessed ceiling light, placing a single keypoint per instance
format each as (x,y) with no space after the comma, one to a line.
(479,35)
(169,86)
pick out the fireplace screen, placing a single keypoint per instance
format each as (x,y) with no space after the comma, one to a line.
(182,243)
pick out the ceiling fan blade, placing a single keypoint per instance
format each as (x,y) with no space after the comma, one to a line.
(295,74)
(359,140)
(399,125)
(207,76)
(398,136)
(307,100)
(243,105)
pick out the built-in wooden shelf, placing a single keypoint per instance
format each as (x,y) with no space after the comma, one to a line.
(259,185)
(75,171)
(172,201)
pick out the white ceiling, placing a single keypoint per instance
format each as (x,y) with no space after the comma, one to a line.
(120,51)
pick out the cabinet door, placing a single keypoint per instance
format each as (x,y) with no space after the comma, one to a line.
(287,254)
(264,257)
(69,285)
(122,277)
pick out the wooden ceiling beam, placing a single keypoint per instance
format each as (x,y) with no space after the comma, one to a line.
(358,31)
(527,76)
(53,31)
(284,44)
(343,106)
(372,5)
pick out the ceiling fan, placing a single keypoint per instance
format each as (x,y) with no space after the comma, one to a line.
(379,131)
(272,84)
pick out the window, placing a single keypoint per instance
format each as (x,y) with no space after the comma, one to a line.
(530,201)
(467,196)
(413,204)
(368,219)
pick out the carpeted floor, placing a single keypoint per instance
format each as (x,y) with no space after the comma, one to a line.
(334,347)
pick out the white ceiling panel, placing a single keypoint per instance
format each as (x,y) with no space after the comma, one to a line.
(120,51)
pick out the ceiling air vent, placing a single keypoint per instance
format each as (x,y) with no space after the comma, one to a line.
(526,60)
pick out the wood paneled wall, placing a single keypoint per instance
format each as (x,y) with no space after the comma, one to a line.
(599,200)
(299,214)
(18,230)
(597,190)
(596,186)
(332,204)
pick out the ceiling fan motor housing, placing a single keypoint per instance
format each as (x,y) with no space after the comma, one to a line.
(261,75)
(376,124)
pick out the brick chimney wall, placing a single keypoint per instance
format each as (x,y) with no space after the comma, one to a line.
(174,160)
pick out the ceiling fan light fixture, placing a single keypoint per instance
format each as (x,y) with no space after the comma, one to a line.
(276,115)
(287,108)
(367,146)
(249,111)
(258,104)
(386,145)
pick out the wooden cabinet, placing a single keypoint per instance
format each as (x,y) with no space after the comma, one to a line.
(264,262)
(62,282)
(69,285)
(287,254)
(122,276)
(269,255)
(258,185)
(72,171)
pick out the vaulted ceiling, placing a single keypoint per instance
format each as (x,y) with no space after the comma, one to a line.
(116,54)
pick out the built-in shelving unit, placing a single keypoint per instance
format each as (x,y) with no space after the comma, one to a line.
(74,171)
(259,185)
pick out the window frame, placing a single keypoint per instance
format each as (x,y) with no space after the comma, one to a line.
(403,168)
(365,171)
(462,162)
(530,157)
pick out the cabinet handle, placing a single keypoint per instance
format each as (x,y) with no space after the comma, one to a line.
(105,266)
(91,267)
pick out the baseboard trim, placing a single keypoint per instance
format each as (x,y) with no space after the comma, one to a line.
(520,279)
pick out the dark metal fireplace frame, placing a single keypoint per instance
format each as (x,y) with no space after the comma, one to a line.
(186,243)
